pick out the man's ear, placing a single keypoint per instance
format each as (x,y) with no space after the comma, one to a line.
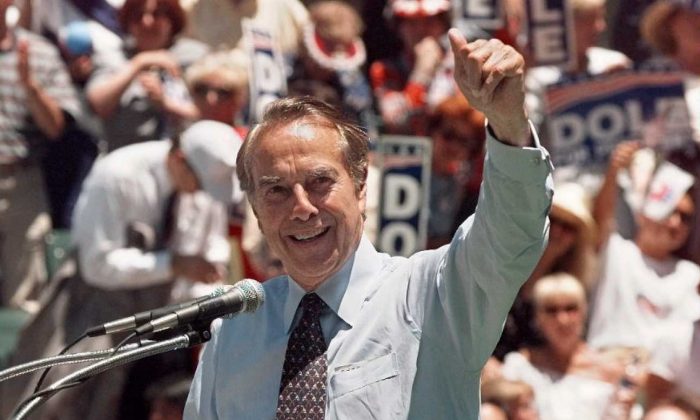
(362,190)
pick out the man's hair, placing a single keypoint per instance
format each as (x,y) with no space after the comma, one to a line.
(352,139)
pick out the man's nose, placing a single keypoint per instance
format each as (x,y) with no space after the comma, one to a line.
(303,208)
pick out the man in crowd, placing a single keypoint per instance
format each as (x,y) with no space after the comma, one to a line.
(37,101)
(350,332)
(129,230)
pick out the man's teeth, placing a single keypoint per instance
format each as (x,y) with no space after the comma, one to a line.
(304,236)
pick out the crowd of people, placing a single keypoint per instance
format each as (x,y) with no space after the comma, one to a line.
(121,122)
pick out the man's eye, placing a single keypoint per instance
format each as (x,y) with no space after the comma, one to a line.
(322,182)
(276,192)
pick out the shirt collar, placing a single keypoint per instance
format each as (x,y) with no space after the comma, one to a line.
(345,291)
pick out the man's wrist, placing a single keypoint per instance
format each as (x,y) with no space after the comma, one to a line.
(515,132)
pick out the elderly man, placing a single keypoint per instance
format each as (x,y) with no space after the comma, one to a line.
(353,333)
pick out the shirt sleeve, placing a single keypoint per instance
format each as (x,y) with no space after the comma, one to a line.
(100,234)
(48,68)
(494,251)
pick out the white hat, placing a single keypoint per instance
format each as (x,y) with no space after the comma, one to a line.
(211,148)
(668,186)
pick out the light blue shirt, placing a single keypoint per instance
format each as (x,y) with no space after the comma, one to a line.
(407,337)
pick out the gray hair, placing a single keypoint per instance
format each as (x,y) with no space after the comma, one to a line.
(352,139)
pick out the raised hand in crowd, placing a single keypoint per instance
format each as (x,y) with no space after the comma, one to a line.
(606,200)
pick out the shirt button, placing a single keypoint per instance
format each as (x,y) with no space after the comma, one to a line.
(536,160)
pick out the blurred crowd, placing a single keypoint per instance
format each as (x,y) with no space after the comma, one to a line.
(120,121)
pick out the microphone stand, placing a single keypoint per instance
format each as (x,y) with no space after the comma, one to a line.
(63,359)
(196,336)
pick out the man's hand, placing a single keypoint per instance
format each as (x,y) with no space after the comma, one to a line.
(196,268)
(490,74)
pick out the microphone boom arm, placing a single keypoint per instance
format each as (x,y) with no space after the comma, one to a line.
(182,341)
(63,359)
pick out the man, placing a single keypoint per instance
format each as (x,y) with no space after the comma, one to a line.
(37,100)
(132,221)
(387,337)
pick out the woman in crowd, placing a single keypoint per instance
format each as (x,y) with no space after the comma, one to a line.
(138,92)
(571,381)
(218,84)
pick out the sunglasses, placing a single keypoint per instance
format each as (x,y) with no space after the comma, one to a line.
(202,90)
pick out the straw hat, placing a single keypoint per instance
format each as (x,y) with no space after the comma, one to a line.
(570,204)
(655,23)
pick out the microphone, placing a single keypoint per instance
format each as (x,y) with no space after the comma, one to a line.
(245,296)
(130,322)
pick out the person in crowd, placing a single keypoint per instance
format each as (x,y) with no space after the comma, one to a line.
(49,17)
(69,160)
(133,241)
(570,380)
(218,83)
(219,87)
(375,336)
(331,60)
(590,60)
(674,368)
(219,23)
(571,249)
(403,84)
(138,92)
(457,133)
(671,28)
(38,102)
(517,398)
(642,285)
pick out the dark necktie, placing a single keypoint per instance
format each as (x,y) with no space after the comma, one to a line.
(303,388)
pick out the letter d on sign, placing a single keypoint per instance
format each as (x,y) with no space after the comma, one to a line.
(402,196)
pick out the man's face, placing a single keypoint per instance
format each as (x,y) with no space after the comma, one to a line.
(305,200)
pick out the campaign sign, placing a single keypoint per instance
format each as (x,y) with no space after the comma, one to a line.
(485,14)
(268,80)
(405,190)
(550,33)
(588,118)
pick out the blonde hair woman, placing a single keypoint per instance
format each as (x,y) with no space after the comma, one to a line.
(571,380)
